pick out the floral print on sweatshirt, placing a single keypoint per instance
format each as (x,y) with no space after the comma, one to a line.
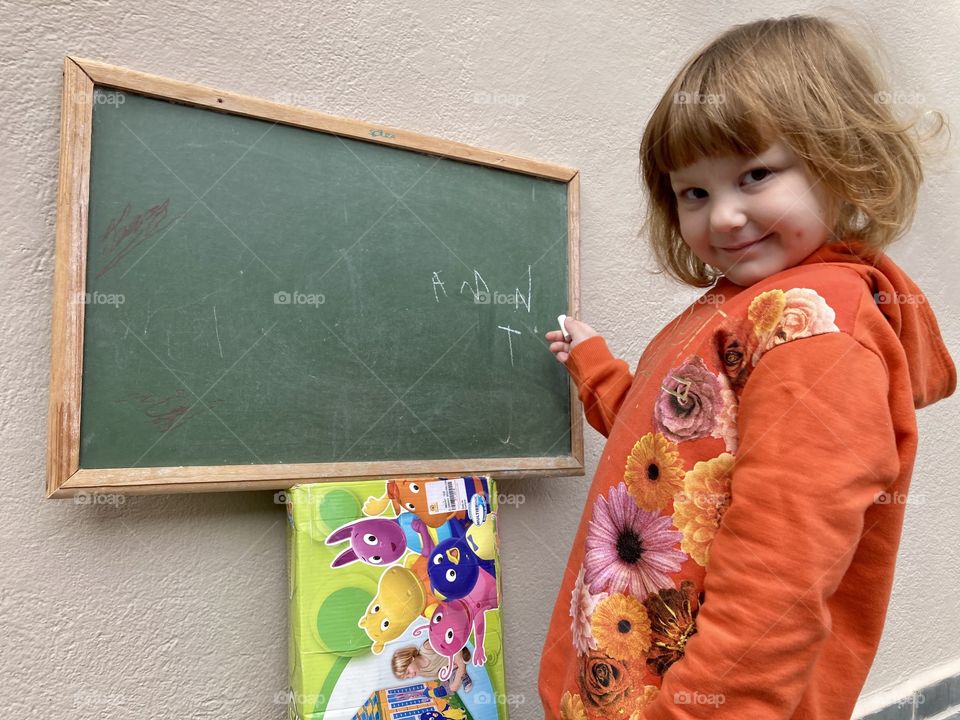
(629,619)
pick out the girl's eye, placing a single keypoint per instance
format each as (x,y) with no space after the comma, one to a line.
(758,170)
(750,175)
(683,193)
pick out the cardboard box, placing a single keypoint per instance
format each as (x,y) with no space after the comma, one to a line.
(395,600)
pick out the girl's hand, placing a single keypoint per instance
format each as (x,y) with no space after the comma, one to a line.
(577,330)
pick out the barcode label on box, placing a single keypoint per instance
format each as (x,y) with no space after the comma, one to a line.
(448,495)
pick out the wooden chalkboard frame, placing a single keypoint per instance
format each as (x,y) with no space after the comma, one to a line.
(65,478)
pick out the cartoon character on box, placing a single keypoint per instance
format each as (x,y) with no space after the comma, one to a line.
(454,567)
(376,541)
(411,496)
(460,568)
(381,541)
(448,713)
(452,621)
(482,539)
(400,600)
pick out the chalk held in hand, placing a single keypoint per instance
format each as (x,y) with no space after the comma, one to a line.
(567,337)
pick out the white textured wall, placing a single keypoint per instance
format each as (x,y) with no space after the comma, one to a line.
(175,606)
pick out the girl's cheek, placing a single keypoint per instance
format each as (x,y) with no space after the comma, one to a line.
(688,229)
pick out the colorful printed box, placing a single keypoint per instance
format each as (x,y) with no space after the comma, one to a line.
(395,600)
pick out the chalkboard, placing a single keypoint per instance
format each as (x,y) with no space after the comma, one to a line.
(250,295)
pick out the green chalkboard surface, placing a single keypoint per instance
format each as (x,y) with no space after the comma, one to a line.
(260,293)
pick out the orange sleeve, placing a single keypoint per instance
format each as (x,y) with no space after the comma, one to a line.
(602,381)
(817,446)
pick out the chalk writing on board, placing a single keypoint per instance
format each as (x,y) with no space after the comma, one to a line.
(477,279)
(217,328)
(488,297)
(438,281)
(166,413)
(125,235)
(509,415)
(510,339)
(520,298)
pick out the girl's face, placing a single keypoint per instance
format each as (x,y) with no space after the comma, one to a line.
(751,216)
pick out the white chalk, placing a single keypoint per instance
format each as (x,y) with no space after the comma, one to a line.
(566,336)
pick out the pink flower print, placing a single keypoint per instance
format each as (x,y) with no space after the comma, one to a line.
(689,402)
(781,316)
(727,420)
(629,549)
(582,605)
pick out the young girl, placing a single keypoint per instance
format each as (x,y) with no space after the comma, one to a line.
(737,549)
(410,661)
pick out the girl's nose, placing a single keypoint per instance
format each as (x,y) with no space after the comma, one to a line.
(726,215)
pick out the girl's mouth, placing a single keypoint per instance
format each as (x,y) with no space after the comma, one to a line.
(748,245)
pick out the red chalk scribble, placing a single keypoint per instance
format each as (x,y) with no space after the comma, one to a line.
(125,236)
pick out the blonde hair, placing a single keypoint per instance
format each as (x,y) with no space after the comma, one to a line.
(401,660)
(402,657)
(809,83)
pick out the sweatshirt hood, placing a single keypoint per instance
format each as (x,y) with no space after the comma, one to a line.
(933,375)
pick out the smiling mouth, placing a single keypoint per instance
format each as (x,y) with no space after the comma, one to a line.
(746,245)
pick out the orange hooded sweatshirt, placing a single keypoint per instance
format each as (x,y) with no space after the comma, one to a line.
(736,553)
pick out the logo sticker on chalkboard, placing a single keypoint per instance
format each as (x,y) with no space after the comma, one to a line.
(477,510)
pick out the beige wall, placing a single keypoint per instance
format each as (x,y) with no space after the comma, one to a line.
(176,606)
